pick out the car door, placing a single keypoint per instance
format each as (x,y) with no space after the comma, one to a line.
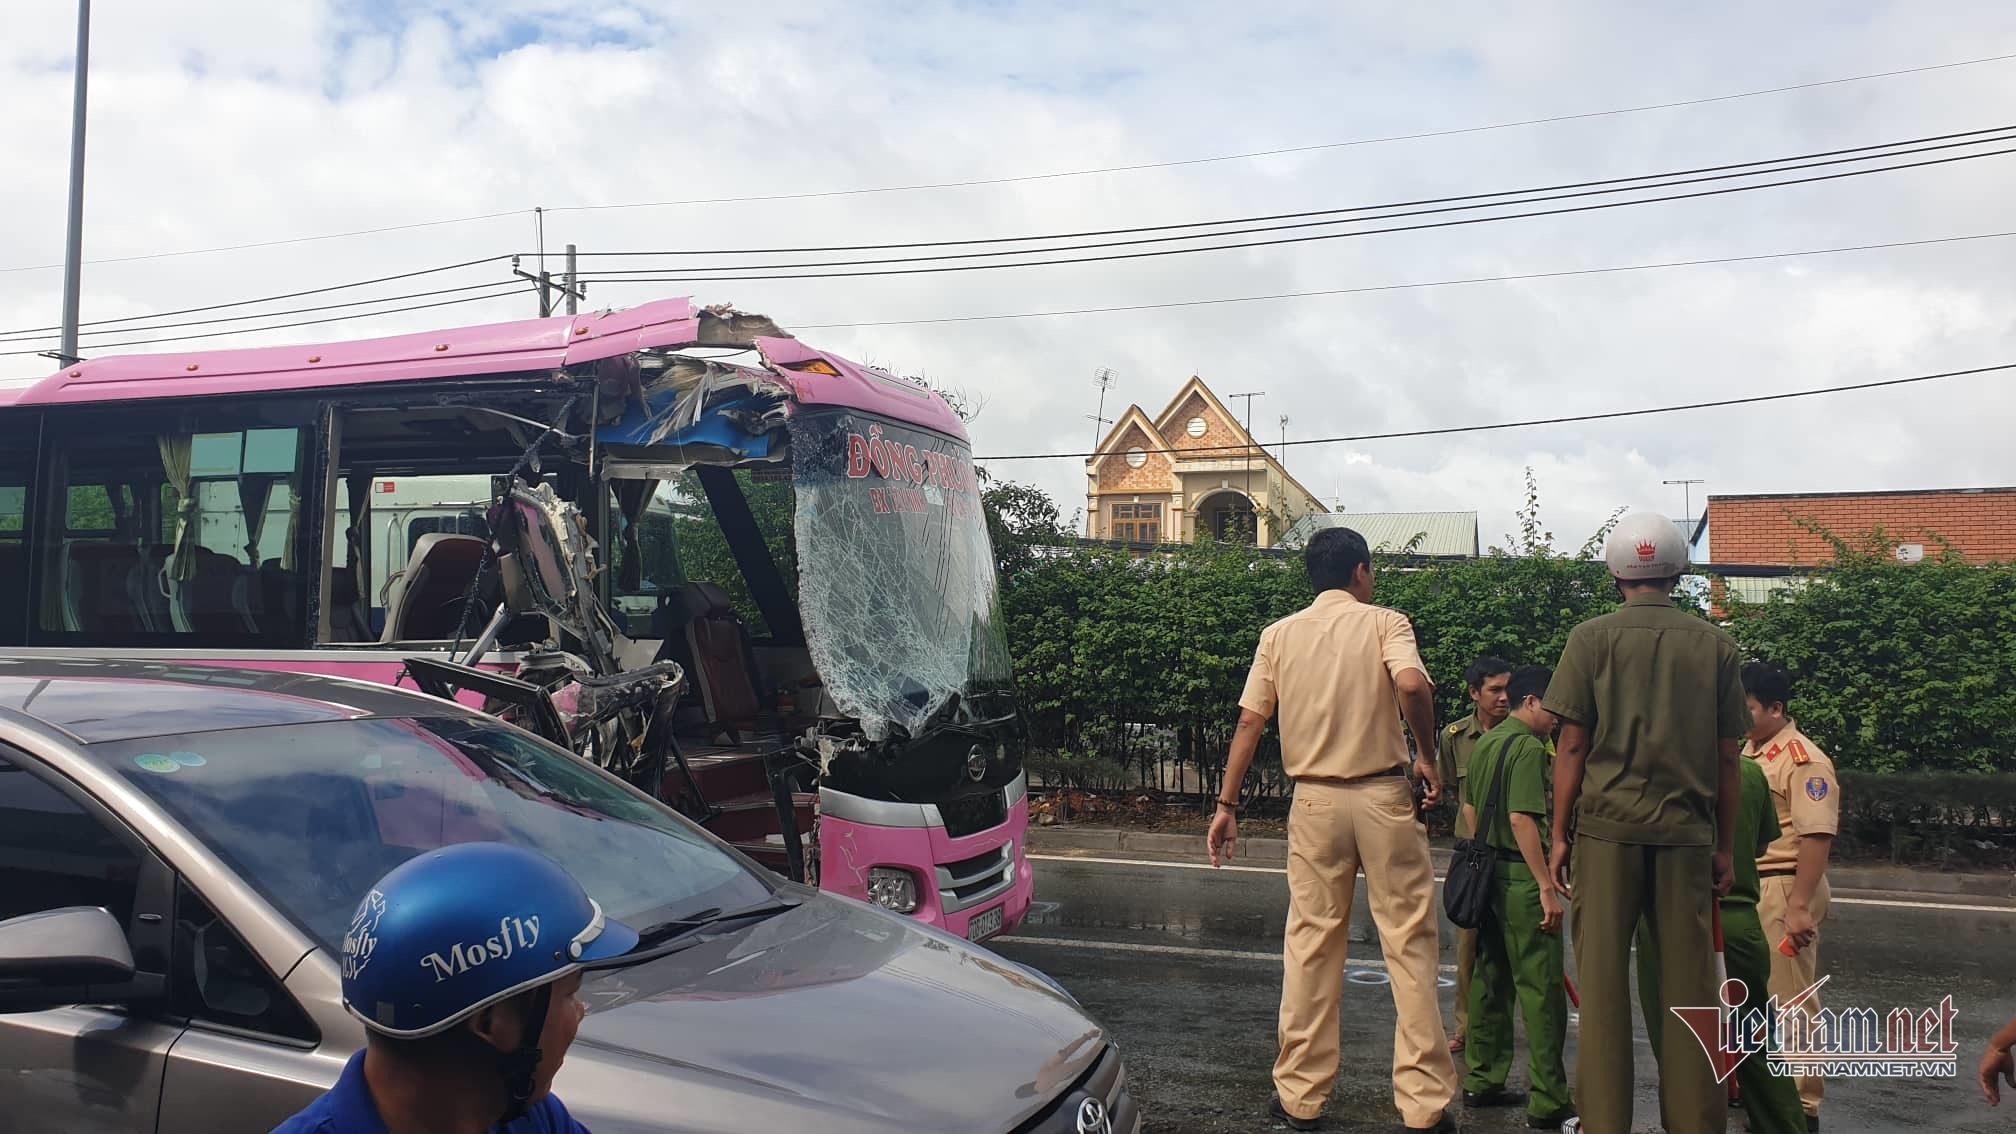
(94,1069)
(249,1057)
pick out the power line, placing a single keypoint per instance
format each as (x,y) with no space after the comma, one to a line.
(1571,419)
(270,298)
(1248,155)
(1977,137)
(508,289)
(138,328)
(1118,256)
(1460,282)
(279,243)
(1673,104)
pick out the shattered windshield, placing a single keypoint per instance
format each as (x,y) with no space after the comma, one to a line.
(895,574)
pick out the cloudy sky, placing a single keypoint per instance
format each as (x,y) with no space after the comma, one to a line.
(224,122)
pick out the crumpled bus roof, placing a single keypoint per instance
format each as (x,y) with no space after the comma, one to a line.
(525,346)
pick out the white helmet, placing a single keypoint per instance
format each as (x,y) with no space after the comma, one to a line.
(1645,545)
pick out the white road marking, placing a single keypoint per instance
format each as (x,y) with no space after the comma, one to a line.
(1883,903)
(1181,951)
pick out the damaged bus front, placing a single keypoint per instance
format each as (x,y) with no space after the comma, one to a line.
(554,519)
(886,662)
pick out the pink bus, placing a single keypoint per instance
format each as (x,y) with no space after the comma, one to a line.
(751,576)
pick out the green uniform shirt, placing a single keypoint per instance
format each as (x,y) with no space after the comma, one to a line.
(1525,790)
(1756,829)
(1452,763)
(1658,689)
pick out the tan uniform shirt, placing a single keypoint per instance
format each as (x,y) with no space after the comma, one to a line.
(1329,669)
(1658,689)
(1804,788)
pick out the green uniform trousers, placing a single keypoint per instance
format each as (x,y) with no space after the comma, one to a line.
(1617,884)
(1466,960)
(1770,1101)
(1516,960)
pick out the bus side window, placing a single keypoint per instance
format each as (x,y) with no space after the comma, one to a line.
(193,535)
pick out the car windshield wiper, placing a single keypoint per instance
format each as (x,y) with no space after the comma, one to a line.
(666,932)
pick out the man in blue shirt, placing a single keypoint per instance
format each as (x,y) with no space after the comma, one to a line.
(465,965)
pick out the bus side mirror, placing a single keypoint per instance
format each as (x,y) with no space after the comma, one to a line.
(75,955)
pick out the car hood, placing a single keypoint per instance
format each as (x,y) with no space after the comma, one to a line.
(835,1014)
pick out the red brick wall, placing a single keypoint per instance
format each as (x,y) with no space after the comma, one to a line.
(1765,530)
(1157,476)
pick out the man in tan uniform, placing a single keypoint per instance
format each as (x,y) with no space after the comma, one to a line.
(1648,773)
(1487,680)
(1792,872)
(1341,674)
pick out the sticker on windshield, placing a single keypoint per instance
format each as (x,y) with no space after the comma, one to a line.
(188,759)
(155,762)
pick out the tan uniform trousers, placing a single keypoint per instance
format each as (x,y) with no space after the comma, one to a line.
(1333,830)
(1672,888)
(1791,976)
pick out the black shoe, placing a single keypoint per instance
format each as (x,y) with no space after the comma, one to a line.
(1494,1096)
(1812,1124)
(1279,1113)
(1443,1125)
(1550,1121)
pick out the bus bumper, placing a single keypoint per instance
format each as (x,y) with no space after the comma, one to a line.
(975,886)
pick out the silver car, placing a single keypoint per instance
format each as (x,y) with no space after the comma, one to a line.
(211,830)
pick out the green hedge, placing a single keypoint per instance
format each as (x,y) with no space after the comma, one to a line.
(1953,818)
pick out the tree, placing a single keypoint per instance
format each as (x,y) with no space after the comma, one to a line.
(1020,520)
(1896,666)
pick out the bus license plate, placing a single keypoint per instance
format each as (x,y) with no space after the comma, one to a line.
(985,924)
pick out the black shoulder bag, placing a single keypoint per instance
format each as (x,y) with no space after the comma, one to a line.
(1466,888)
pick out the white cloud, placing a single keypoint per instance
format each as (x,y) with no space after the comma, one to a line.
(232,121)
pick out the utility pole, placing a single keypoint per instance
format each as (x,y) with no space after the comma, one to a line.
(575,292)
(1104,379)
(73,239)
(1284,439)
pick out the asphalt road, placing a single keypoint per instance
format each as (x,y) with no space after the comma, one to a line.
(1183,966)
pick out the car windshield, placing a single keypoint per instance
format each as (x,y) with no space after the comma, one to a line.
(312,815)
(895,574)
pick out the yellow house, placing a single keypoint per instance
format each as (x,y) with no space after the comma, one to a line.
(1192,468)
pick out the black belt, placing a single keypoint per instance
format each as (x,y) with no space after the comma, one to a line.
(1396,770)
(1777,873)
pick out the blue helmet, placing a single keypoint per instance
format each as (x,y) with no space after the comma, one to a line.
(466,926)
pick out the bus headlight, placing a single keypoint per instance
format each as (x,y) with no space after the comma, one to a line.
(893,888)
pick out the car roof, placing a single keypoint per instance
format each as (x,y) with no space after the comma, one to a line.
(95,700)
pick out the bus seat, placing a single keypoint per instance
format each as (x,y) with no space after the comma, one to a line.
(424,602)
(346,624)
(143,587)
(719,645)
(95,598)
(279,606)
(213,599)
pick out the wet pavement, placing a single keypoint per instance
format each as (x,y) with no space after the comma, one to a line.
(1183,966)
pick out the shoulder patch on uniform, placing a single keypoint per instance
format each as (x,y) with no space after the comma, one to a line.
(1800,755)
(1817,788)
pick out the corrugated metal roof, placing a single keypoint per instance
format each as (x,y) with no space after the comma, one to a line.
(1442,533)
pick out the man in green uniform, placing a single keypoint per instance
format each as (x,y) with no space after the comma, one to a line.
(1652,721)
(1486,680)
(1770,1101)
(1519,942)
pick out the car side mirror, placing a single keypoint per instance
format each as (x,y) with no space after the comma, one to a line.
(76,955)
